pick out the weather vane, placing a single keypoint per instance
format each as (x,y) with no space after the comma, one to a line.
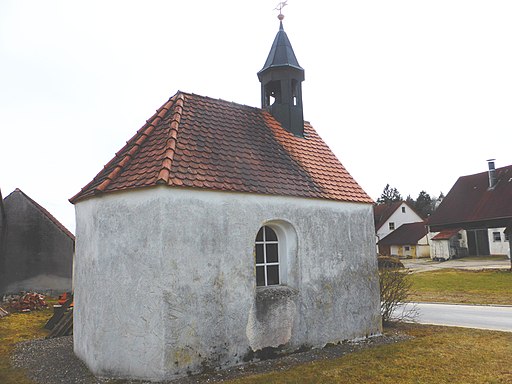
(279,8)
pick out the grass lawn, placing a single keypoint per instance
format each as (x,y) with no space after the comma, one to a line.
(463,286)
(13,329)
(435,355)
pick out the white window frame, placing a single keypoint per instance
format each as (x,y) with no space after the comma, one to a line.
(266,264)
(391,224)
(496,237)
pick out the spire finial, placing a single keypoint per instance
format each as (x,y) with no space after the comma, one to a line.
(279,8)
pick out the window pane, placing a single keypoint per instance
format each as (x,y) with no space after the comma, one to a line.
(259,254)
(270,235)
(259,236)
(260,276)
(272,275)
(272,253)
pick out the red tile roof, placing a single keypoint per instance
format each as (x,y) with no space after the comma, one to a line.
(406,234)
(471,204)
(199,142)
(382,212)
(447,234)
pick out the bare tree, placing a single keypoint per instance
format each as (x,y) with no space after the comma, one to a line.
(395,289)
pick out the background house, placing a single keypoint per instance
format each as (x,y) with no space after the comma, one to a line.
(409,240)
(389,217)
(481,204)
(36,250)
(232,230)
(508,234)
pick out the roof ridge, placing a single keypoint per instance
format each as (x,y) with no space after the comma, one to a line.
(172,139)
(142,134)
(219,99)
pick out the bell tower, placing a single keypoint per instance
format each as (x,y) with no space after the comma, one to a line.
(281,83)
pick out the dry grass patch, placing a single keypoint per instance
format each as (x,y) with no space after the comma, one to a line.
(463,286)
(435,355)
(15,328)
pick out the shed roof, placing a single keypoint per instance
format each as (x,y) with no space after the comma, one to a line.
(446,234)
(472,204)
(199,142)
(406,234)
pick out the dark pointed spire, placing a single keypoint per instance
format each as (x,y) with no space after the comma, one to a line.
(281,83)
(281,53)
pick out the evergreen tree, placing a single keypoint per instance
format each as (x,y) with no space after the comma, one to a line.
(424,204)
(389,195)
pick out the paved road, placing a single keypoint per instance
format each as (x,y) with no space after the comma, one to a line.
(423,265)
(470,316)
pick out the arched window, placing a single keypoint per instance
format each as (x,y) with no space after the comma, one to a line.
(267,257)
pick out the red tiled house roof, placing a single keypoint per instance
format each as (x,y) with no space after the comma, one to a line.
(472,204)
(382,212)
(406,234)
(198,142)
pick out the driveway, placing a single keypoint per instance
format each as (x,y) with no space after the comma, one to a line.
(423,265)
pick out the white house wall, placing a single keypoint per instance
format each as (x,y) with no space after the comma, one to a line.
(415,250)
(498,247)
(398,217)
(165,279)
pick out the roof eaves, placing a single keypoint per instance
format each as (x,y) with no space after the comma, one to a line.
(123,157)
(146,131)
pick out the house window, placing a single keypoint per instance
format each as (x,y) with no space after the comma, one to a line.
(267,257)
(403,209)
(407,248)
(459,236)
(391,226)
(496,236)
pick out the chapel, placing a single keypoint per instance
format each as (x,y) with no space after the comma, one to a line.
(221,233)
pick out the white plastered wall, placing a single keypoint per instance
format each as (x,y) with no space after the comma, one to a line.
(165,279)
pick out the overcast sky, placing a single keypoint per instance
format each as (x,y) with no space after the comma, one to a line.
(408,93)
